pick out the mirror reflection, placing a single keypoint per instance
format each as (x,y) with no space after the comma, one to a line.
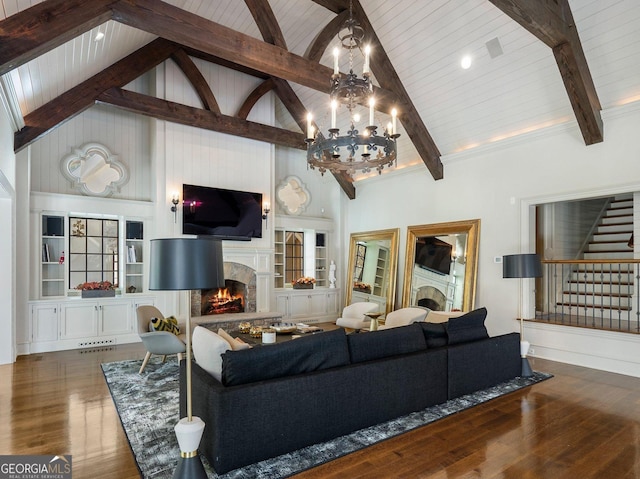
(373,260)
(441,266)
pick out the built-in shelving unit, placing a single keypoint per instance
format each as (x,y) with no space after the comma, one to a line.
(52,279)
(381,272)
(134,274)
(278,259)
(322,267)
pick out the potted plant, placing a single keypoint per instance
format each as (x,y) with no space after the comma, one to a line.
(303,283)
(97,289)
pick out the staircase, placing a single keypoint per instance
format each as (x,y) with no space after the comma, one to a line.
(604,290)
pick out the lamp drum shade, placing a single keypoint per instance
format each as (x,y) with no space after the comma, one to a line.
(521,266)
(186,263)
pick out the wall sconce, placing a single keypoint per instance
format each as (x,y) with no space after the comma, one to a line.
(265,211)
(175,199)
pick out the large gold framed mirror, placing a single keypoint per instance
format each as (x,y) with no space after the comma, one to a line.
(441,265)
(373,267)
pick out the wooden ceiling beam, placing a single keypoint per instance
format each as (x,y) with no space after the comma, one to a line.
(38,29)
(199,118)
(386,75)
(82,96)
(195,32)
(317,47)
(551,21)
(253,97)
(185,63)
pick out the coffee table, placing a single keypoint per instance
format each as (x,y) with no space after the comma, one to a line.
(282,337)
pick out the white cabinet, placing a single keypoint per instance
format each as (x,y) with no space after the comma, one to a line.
(308,306)
(79,323)
(44,322)
(115,318)
(79,319)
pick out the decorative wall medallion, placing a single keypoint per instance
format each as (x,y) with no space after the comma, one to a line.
(93,170)
(292,195)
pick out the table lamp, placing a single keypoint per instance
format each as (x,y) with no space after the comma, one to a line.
(179,264)
(522,266)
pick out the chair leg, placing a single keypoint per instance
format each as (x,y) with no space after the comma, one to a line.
(164,358)
(179,357)
(144,362)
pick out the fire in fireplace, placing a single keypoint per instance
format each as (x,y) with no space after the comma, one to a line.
(229,299)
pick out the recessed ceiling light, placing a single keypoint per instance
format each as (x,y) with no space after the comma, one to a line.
(99,36)
(465,63)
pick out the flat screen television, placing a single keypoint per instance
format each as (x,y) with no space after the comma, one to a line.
(228,214)
(433,254)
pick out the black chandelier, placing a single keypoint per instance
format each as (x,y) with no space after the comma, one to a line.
(355,151)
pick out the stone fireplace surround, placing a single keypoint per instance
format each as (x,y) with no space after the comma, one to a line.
(252,268)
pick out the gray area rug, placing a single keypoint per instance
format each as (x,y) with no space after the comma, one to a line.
(148,408)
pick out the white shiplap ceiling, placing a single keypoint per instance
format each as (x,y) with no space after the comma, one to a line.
(513,93)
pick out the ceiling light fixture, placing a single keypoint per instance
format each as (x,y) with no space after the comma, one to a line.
(465,63)
(99,36)
(364,150)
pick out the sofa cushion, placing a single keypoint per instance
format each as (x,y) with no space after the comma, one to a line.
(468,327)
(388,342)
(435,334)
(235,343)
(208,348)
(302,355)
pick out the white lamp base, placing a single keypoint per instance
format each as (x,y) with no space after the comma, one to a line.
(189,434)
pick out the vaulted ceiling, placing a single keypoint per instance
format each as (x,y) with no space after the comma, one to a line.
(535,63)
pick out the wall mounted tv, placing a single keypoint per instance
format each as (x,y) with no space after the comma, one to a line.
(228,214)
(433,254)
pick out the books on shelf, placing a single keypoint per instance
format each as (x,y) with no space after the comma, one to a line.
(131,255)
(46,256)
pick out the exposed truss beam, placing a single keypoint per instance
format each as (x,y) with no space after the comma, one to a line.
(551,21)
(82,96)
(196,79)
(36,30)
(199,118)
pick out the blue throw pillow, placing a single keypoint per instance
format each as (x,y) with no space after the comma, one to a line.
(468,327)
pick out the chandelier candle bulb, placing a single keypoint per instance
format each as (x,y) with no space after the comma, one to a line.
(336,56)
(309,125)
(394,116)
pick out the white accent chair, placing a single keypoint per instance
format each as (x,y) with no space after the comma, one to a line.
(353,316)
(442,316)
(403,317)
(158,342)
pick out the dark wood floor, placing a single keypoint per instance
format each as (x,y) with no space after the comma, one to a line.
(580,424)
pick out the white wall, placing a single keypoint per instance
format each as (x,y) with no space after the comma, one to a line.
(497,184)
(7,241)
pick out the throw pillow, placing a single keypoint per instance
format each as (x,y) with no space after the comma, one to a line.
(233,342)
(386,342)
(169,324)
(309,353)
(435,334)
(208,349)
(468,327)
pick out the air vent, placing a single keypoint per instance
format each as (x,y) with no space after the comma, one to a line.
(92,344)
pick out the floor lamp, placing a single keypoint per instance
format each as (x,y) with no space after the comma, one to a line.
(179,264)
(522,266)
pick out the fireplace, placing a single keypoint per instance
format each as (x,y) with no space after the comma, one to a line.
(230,299)
(432,298)
(238,295)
